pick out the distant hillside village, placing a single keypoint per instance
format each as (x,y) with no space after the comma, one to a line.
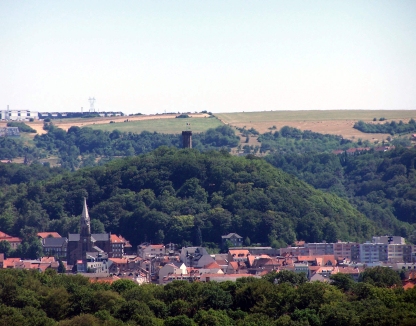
(108,257)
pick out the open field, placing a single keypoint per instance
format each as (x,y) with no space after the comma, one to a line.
(167,126)
(337,122)
(104,121)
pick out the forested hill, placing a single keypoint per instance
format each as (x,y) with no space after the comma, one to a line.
(381,185)
(178,195)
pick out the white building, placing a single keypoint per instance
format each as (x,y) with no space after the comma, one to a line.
(18,115)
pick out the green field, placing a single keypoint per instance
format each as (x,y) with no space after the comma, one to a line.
(167,126)
(267,116)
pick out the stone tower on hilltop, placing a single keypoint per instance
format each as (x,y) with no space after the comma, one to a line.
(187,139)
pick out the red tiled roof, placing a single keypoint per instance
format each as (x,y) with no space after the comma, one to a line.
(115,239)
(118,260)
(348,270)
(11,239)
(47,234)
(4,235)
(157,246)
(47,259)
(212,265)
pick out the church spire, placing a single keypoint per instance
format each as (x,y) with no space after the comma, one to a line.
(85,229)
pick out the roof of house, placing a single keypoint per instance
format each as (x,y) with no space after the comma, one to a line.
(349,270)
(115,239)
(4,235)
(101,236)
(118,260)
(239,252)
(47,260)
(161,246)
(54,242)
(48,234)
(231,235)
(234,265)
(11,239)
(73,237)
(212,265)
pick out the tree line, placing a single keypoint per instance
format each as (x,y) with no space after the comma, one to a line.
(28,297)
(292,140)
(391,128)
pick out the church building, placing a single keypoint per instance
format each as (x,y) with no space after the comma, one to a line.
(85,245)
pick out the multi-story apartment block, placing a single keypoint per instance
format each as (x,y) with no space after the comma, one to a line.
(399,253)
(320,248)
(373,252)
(345,250)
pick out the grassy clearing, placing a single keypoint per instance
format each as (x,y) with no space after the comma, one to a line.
(167,126)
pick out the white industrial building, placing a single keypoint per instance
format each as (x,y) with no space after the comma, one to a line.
(18,115)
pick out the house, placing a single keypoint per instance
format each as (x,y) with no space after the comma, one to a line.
(234,238)
(212,268)
(117,246)
(176,269)
(149,251)
(55,246)
(191,255)
(128,248)
(117,265)
(14,241)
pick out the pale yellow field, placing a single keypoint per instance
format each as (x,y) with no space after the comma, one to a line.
(337,122)
(80,122)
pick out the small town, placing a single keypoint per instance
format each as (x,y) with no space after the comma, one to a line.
(108,257)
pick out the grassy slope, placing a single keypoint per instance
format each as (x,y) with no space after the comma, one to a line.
(167,126)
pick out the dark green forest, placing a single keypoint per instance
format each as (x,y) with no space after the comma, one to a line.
(381,185)
(81,147)
(391,128)
(90,144)
(30,298)
(291,140)
(168,194)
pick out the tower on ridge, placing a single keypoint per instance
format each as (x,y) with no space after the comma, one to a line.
(187,139)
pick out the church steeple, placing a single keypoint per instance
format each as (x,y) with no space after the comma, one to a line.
(85,229)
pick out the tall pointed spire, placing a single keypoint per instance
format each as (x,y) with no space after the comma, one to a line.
(85,229)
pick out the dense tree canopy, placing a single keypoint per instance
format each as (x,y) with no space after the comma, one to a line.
(81,146)
(174,192)
(381,185)
(292,140)
(32,298)
(391,128)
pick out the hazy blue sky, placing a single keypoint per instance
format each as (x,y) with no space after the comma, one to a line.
(221,56)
